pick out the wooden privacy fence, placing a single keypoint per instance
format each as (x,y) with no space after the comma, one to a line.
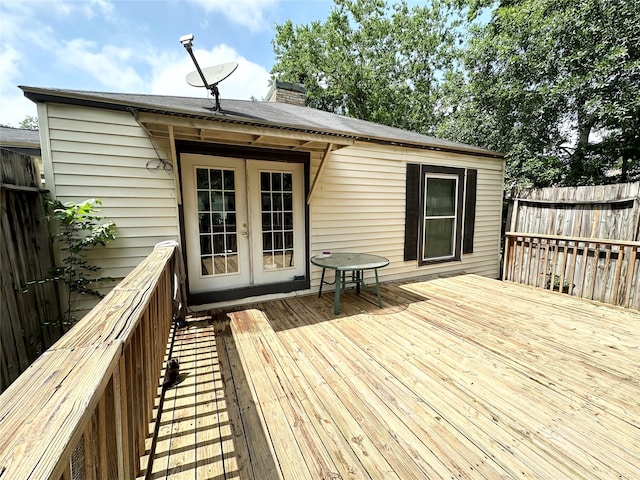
(583,241)
(28,325)
(82,410)
(603,211)
(604,270)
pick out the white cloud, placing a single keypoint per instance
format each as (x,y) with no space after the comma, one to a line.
(9,66)
(108,64)
(89,9)
(105,9)
(252,14)
(169,72)
(15,107)
(93,65)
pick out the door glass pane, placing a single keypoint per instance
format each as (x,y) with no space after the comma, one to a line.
(277,202)
(276,182)
(276,192)
(265,181)
(229,201)
(204,222)
(202,178)
(205,244)
(286,183)
(207,265)
(232,262)
(216,179)
(217,221)
(229,180)
(217,204)
(218,244)
(266,222)
(203,201)
(287,201)
(288,240)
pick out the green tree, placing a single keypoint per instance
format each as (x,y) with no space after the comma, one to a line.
(554,84)
(29,123)
(372,61)
(78,229)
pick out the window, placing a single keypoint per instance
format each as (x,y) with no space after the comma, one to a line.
(439,217)
(440,213)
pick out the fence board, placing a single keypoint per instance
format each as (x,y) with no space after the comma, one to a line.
(28,319)
(580,228)
(604,270)
(600,211)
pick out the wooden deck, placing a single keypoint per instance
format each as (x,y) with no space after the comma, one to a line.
(463,377)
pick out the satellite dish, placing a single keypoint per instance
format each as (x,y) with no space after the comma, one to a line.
(212,75)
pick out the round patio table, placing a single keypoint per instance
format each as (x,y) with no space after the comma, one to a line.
(356,263)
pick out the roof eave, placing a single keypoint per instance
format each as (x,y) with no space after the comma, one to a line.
(74,98)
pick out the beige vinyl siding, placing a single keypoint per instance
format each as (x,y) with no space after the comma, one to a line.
(103,154)
(359,203)
(359,206)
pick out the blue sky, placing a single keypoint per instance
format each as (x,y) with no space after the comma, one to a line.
(133,47)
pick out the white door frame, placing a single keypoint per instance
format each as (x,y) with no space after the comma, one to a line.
(198,282)
(261,274)
(254,267)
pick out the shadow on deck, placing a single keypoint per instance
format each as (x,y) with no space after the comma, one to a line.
(453,378)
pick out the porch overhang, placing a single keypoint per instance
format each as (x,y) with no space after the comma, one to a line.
(169,128)
(238,132)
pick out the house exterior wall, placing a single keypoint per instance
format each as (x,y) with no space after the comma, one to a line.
(359,206)
(95,153)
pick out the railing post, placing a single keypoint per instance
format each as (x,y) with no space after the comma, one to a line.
(122,421)
(630,274)
(576,262)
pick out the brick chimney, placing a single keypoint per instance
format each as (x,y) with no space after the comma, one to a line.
(285,92)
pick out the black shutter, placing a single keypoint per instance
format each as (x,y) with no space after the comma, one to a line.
(412,212)
(469,210)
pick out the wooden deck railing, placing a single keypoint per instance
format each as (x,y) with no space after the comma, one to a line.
(82,409)
(604,270)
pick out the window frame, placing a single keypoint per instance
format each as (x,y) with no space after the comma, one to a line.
(415,207)
(457,217)
(432,171)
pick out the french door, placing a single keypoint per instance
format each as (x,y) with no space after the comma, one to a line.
(244,222)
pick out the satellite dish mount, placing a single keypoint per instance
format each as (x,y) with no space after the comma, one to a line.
(208,77)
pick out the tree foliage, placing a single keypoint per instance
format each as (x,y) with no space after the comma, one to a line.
(78,229)
(29,123)
(371,61)
(554,84)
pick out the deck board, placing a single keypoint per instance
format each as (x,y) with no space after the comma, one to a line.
(463,377)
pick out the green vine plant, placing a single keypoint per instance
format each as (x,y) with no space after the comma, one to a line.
(78,229)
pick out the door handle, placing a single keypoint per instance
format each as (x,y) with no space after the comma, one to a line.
(245,234)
